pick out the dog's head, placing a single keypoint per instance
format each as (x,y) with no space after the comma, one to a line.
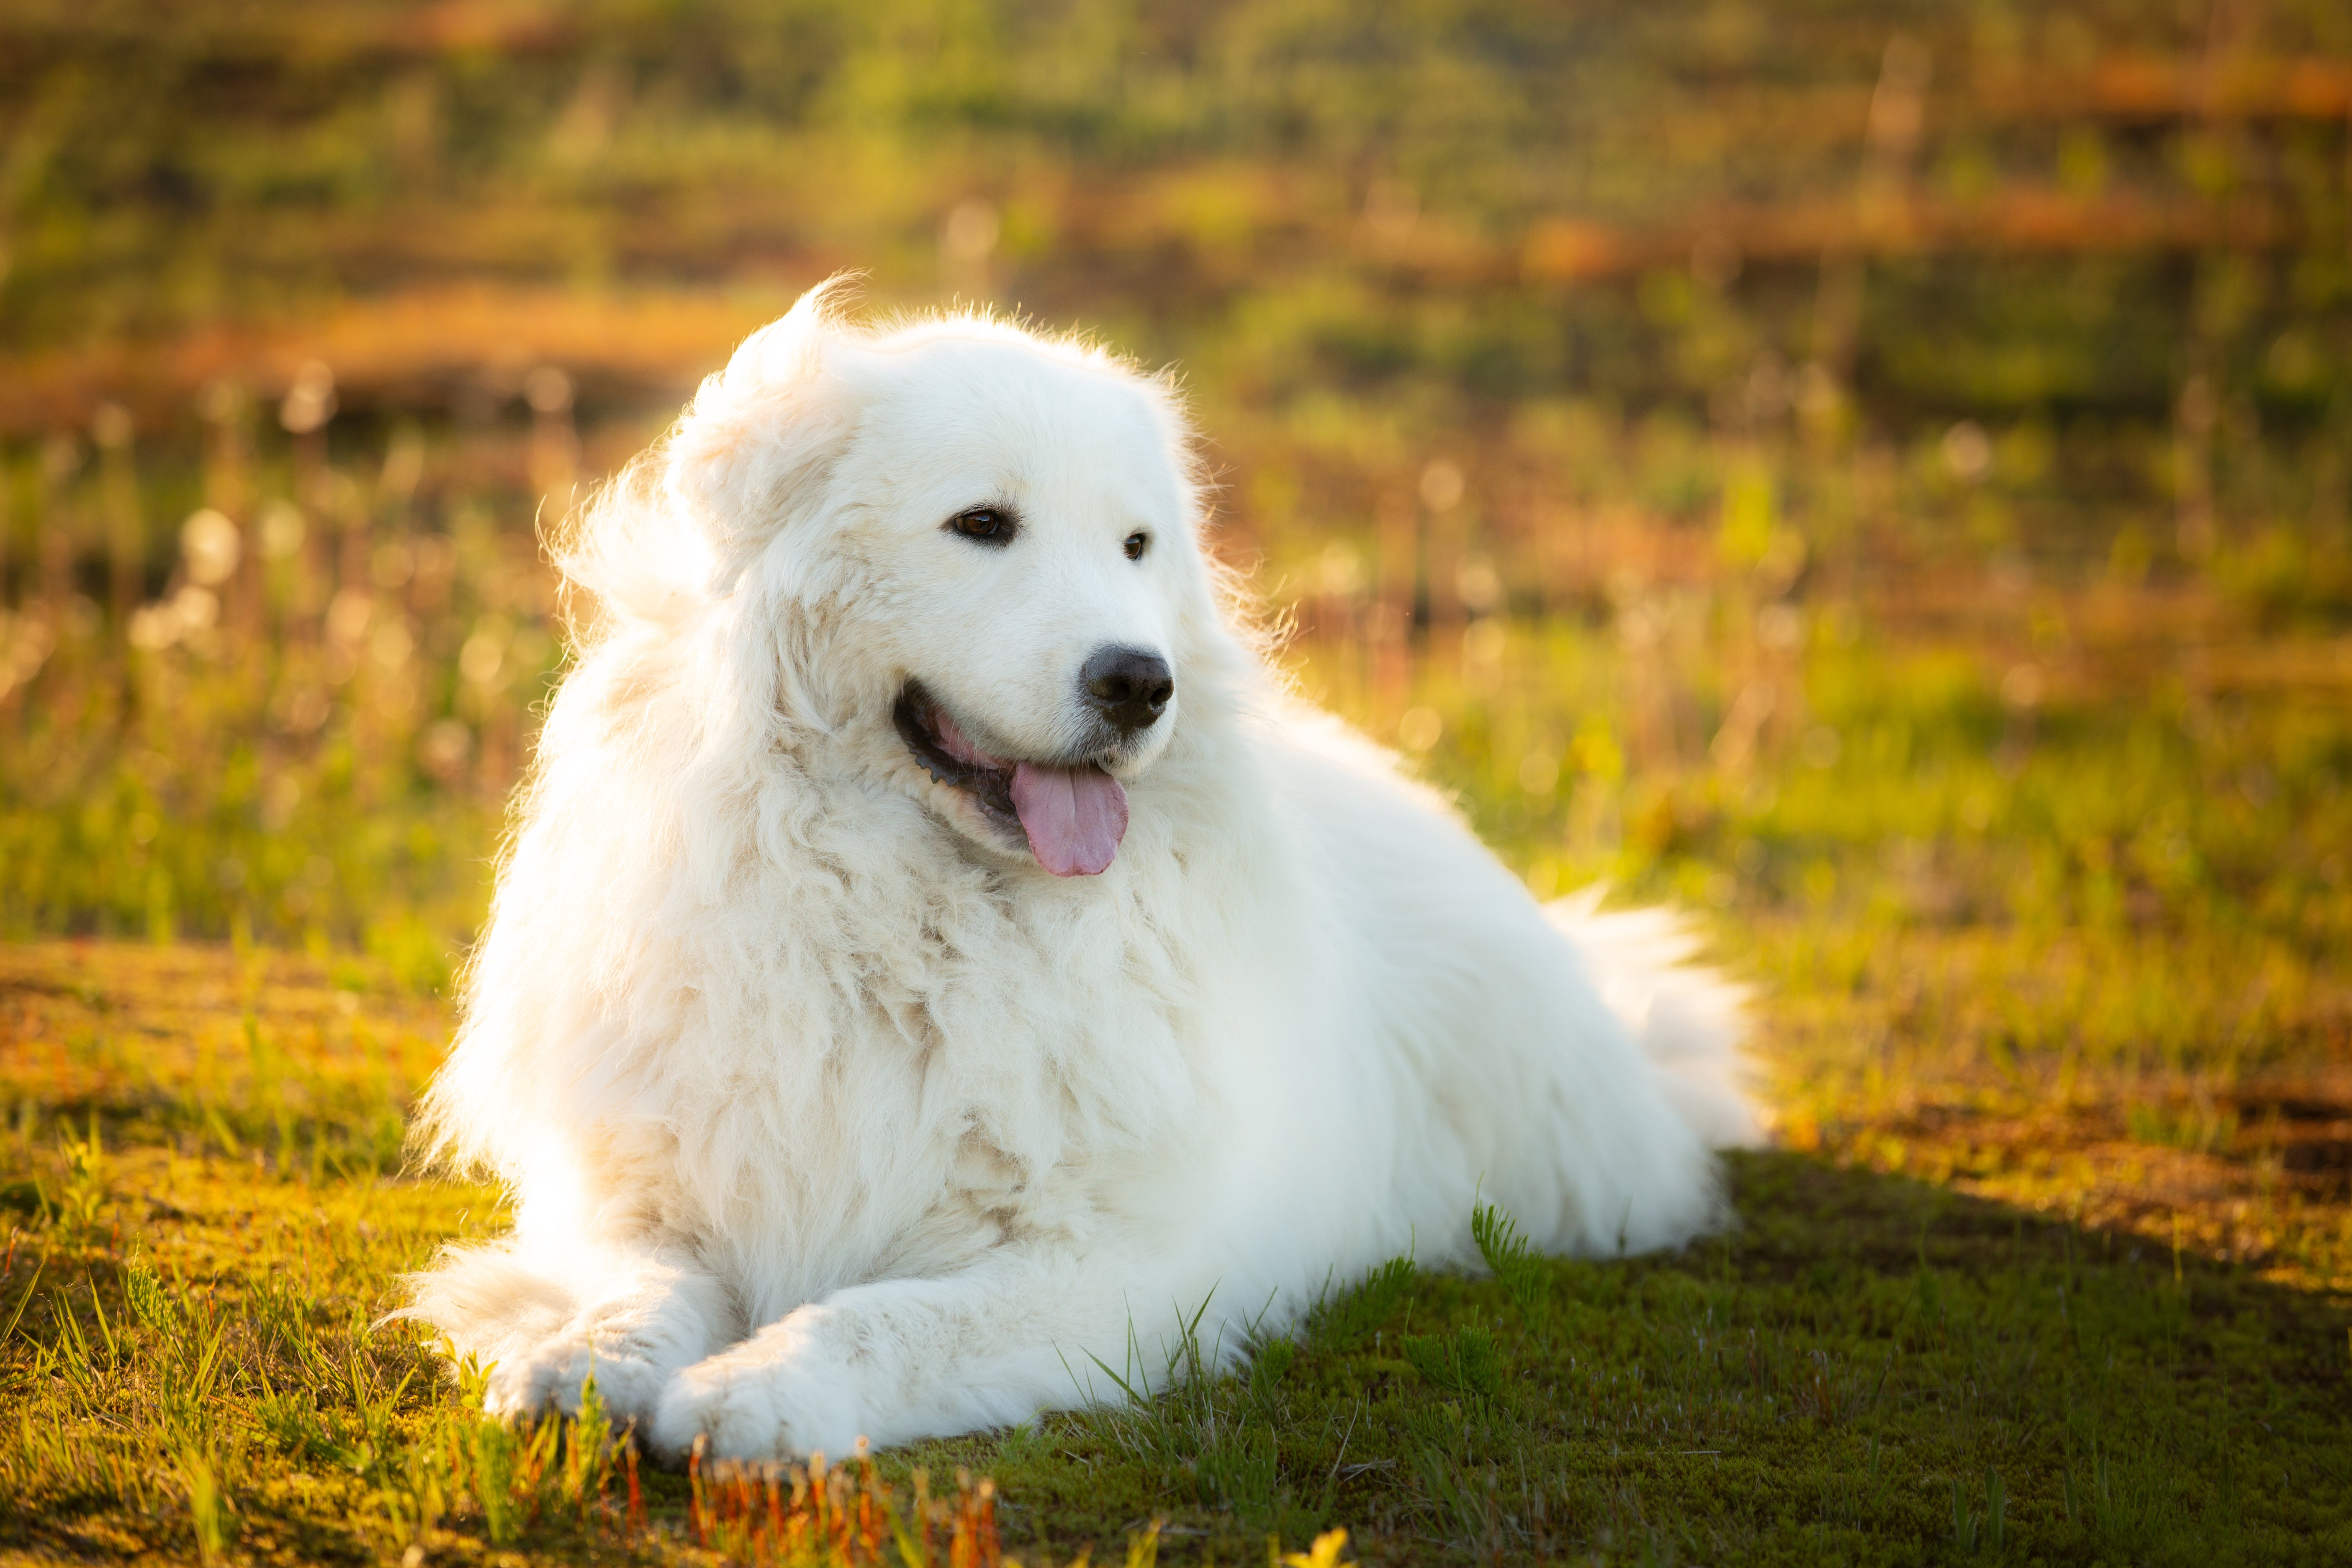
(972,554)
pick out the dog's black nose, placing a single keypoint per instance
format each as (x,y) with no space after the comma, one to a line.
(1128,686)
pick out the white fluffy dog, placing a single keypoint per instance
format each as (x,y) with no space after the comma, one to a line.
(934,953)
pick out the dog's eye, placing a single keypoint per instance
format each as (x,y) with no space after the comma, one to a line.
(1134,544)
(989,524)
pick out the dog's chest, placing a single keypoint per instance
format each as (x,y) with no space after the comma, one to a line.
(1004,1060)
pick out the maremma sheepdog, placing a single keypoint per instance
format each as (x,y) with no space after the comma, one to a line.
(936,956)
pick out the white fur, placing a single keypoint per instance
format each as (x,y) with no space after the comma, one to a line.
(828,1112)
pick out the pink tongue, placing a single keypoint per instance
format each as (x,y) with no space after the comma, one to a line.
(1075,817)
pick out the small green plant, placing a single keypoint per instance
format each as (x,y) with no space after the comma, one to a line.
(1509,1254)
(1464,1503)
(298,1430)
(2119,1504)
(498,1467)
(1236,1469)
(1341,1321)
(207,1509)
(1274,1358)
(1985,1530)
(83,1192)
(1464,1362)
(143,1289)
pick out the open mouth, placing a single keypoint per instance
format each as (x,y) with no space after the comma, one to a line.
(1072,816)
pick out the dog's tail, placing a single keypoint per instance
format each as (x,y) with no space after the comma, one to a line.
(1691,1021)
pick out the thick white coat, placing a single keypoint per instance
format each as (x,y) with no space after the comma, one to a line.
(830,1114)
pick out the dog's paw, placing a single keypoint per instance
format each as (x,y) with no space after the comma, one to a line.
(551,1376)
(770,1398)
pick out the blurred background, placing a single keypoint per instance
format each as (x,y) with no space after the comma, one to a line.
(1875,469)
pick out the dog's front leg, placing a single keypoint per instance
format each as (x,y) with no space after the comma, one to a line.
(915,1358)
(547,1318)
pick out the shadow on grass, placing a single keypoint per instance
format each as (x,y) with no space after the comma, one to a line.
(1867,1368)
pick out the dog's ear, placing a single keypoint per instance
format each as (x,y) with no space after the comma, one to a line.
(760,434)
(678,527)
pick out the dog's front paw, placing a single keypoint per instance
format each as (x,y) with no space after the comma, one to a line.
(551,1376)
(770,1398)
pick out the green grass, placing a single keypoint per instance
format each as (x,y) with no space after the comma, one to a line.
(1867,1368)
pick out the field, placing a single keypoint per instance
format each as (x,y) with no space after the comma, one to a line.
(1877,481)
